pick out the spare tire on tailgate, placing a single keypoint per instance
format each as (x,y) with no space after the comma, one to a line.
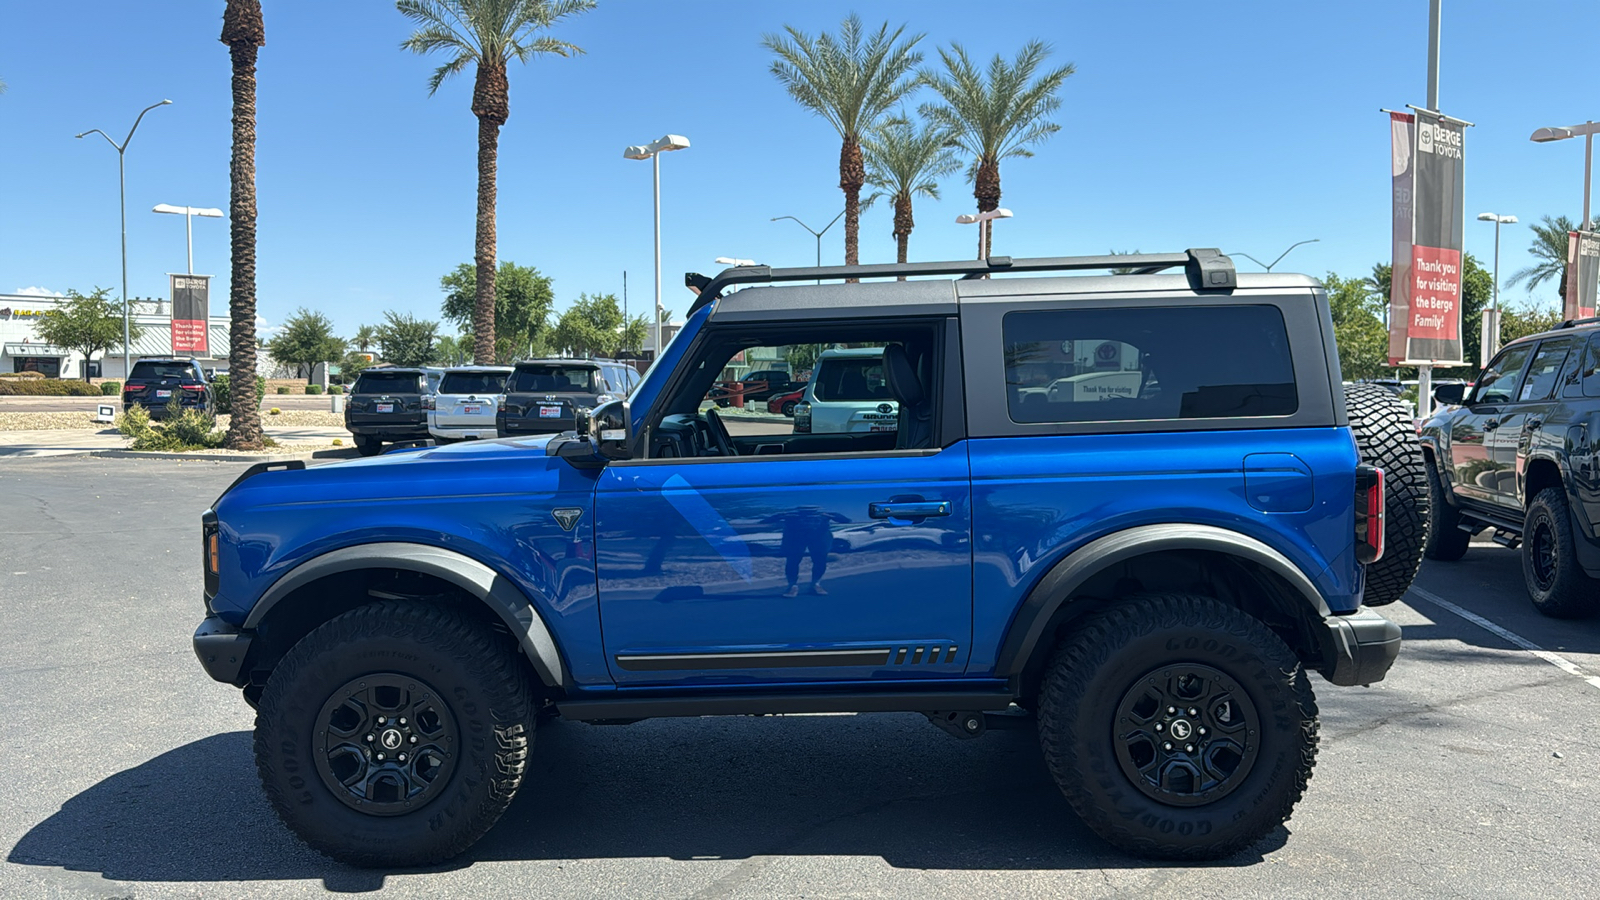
(1386,438)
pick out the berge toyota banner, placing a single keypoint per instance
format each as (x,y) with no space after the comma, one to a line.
(1583,274)
(1427,165)
(191,314)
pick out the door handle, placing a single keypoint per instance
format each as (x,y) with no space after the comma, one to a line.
(908,509)
(1491,425)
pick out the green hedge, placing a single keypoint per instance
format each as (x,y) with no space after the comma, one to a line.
(313,388)
(336,389)
(283,389)
(222,387)
(110,388)
(47,387)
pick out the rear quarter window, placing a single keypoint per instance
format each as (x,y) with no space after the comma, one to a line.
(1148,363)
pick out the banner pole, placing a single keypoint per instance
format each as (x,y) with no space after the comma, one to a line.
(1433,55)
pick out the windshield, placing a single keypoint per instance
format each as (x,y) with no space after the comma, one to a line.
(473,383)
(554,379)
(388,383)
(155,370)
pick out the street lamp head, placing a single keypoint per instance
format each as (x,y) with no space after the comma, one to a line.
(670,142)
(1001,213)
(165,103)
(1488,217)
(966,219)
(636,152)
(1508,220)
(1546,135)
(730,261)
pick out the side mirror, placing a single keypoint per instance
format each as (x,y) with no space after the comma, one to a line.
(1451,394)
(608,427)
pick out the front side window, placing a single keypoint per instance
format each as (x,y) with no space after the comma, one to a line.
(1496,383)
(1148,363)
(555,379)
(1543,372)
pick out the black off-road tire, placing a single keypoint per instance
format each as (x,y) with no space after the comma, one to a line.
(788,408)
(1386,438)
(1446,541)
(1084,717)
(1556,582)
(369,446)
(479,701)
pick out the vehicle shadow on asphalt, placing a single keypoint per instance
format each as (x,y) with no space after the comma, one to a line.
(889,786)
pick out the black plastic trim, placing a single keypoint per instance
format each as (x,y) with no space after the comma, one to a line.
(1057,585)
(784,659)
(773,704)
(1363,645)
(222,649)
(477,579)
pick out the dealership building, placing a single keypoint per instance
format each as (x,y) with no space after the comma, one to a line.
(22,350)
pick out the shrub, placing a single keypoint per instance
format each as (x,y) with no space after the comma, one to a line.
(22,375)
(338,442)
(283,389)
(336,389)
(46,387)
(222,387)
(110,388)
(313,388)
(274,411)
(190,429)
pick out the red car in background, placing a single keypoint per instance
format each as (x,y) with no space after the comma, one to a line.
(784,403)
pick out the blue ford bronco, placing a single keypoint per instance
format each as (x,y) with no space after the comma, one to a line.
(1131,509)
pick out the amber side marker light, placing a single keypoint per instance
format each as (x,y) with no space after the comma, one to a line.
(211,554)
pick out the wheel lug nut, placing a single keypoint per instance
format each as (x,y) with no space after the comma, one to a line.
(382,720)
(402,757)
(1170,710)
(1188,748)
(1166,746)
(1192,712)
(1160,727)
(380,757)
(369,738)
(413,739)
(1202,729)
(402,720)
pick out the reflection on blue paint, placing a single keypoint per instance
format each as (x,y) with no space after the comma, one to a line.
(709,523)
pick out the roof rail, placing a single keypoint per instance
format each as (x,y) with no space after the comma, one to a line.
(1208,270)
(1574,323)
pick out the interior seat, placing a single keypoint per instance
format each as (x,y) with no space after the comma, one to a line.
(909,390)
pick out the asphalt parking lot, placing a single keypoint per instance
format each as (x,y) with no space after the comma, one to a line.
(1469,772)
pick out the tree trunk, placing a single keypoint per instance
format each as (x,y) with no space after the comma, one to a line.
(986,188)
(852,175)
(491,104)
(244,423)
(903,223)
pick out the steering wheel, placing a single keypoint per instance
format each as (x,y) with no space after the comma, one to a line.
(719,433)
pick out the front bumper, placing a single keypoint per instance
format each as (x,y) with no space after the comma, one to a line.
(1360,647)
(222,649)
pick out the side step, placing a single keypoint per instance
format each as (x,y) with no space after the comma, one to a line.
(635,708)
(1507,533)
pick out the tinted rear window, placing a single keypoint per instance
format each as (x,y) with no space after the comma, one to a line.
(554,379)
(1198,362)
(473,383)
(851,379)
(157,370)
(388,383)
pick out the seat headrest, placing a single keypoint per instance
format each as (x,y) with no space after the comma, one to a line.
(900,375)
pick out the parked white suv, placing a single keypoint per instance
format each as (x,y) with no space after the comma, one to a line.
(468,399)
(847,394)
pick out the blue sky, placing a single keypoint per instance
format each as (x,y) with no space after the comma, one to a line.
(1242,125)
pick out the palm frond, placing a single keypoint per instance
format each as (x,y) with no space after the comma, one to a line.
(480,30)
(1549,249)
(851,78)
(906,161)
(998,112)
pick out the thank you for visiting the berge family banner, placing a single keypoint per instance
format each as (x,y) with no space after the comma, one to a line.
(1583,274)
(191,314)
(1427,165)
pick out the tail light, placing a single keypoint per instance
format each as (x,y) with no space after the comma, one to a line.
(132,387)
(802,418)
(193,387)
(427,401)
(1369,514)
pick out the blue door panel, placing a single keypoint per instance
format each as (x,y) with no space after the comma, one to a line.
(1036,499)
(695,562)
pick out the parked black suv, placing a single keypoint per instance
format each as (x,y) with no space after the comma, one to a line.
(1514,453)
(542,395)
(155,383)
(390,404)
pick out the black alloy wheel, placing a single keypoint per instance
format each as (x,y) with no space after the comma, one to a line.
(1556,582)
(1187,734)
(386,743)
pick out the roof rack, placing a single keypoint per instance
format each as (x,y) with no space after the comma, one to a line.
(1574,323)
(1208,270)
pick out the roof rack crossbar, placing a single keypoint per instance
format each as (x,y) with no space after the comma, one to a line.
(1208,270)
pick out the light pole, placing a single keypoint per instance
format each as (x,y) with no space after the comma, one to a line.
(652,151)
(188,213)
(1587,129)
(1489,339)
(1268,266)
(817,234)
(122,193)
(982,220)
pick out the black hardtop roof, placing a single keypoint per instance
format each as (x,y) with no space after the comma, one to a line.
(450,369)
(591,361)
(403,370)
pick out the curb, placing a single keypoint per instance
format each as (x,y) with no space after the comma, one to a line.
(308,455)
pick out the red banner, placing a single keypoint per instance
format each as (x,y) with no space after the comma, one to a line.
(1427,167)
(1435,294)
(1583,274)
(191,311)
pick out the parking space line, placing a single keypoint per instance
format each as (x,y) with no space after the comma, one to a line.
(1553,659)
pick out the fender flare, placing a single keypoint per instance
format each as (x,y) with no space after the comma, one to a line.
(488,586)
(1077,567)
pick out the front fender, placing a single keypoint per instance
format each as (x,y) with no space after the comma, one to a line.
(478,580)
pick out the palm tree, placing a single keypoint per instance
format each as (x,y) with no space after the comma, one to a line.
(244,33)
(905,161)
(489,33)
(365,337)
(995,115)
(851,80)
(1549,248)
